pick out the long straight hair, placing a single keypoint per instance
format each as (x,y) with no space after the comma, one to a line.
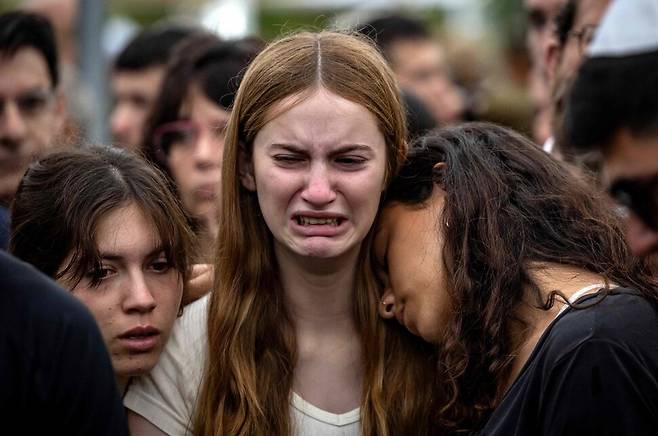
(251,354)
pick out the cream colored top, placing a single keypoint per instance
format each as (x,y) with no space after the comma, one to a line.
(166,397)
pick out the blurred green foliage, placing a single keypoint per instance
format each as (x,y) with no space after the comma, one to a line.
(7,5)
(277,22)
(508,20)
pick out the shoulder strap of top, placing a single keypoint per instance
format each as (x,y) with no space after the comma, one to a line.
(579,293)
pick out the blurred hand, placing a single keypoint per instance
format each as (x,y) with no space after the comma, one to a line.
(200,282)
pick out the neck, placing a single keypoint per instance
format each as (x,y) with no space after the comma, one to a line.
(122,384)
(549,277)
(318,292)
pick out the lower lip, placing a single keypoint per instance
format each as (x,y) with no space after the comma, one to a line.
(205,194)
(141,344)
(326,230)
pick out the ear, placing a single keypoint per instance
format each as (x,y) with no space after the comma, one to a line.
(387,307)
(246,170)
(439,166)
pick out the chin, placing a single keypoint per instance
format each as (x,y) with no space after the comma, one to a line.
(135,367)
(324,251)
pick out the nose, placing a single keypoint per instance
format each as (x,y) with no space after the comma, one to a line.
(208,150)
(387,307)
(319,189)
(139,297)
(13,124)
(120,124)
(642,239)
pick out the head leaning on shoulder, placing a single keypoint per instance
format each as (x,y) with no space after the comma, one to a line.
(498,207)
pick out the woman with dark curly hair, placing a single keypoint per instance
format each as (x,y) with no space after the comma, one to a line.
(519,272)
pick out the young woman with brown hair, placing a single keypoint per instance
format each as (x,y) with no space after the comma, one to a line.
(102,222)
(185,131)
(289,341)
(518,270)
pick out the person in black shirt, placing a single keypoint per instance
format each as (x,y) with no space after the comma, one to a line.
(518,271)
(55,372)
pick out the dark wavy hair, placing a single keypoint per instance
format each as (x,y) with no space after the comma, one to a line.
(508,204)
(64,195)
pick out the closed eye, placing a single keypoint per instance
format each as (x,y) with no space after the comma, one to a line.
(351,161)
(288,159)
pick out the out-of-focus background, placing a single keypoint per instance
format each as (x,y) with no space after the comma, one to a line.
(484,40)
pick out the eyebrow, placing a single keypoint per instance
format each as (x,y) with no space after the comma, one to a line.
(108,255)
(341,149)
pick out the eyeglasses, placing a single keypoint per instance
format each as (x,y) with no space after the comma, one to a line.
(640,197)
(183,134)
(584,36)
(30,104)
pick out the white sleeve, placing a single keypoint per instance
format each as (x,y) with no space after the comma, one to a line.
(167,395)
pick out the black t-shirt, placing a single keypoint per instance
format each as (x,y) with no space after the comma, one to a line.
(593,372)
(55,373)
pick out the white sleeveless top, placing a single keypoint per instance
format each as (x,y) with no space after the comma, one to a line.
(166,397)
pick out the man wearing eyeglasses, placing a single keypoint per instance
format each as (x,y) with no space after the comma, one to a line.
(32,109)
(613,107)
(575,25)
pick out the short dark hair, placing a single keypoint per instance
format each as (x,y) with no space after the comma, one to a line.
(20,30)
(564,21)
(385,31)
(64,195)
(151,47)
(611,93)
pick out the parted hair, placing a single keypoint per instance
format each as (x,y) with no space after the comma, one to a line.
(508,205)
(64,195)
(248,377)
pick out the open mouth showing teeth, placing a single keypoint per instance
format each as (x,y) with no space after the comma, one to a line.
(310,221)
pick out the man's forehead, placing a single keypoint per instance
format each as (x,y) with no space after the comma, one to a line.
(26,68)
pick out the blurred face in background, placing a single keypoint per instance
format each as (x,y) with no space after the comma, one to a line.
(31,114)
(541,24)
(195,152)
(630,173)
(421,68)
(588,15)
(134,93)
(541,15)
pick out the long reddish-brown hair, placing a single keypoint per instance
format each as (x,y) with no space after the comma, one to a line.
(251,352)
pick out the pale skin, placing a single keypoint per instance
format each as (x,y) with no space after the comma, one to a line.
(309,150)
